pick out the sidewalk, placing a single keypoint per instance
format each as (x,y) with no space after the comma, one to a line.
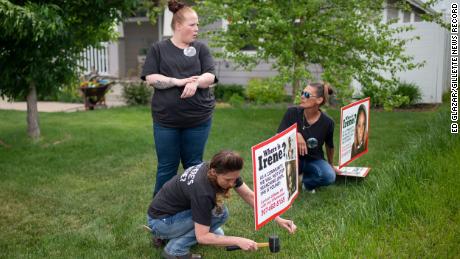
(113,99)
(43,106)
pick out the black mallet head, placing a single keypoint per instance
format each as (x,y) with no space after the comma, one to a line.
(274,244)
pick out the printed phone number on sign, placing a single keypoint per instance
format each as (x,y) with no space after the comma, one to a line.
(272,206)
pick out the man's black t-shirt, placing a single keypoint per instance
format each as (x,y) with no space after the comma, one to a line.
(322,130)
(168,109)
(191,190)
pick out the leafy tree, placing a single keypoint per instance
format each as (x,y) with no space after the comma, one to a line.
(40,42)
(347,38)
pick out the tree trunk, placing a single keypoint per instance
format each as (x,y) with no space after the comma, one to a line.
(296,88)
(295,83)
(33,128)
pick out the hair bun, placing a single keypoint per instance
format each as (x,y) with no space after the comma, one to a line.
(329,89)
(175,6)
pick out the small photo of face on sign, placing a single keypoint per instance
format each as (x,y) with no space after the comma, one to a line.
(360,142)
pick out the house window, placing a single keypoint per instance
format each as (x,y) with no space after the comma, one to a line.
(417,14)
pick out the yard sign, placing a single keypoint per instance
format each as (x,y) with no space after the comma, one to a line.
(275,172)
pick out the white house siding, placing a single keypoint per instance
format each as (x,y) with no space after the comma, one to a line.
(431,48)
(229,74)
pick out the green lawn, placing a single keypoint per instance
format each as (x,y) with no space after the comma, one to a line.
(83,190)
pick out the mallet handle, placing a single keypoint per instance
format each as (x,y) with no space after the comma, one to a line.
(233,248)
(262,245)
(147,228)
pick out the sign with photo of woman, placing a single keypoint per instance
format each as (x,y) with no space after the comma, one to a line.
(354,131)
(275,172)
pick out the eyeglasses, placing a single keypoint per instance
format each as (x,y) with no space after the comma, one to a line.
(306,95)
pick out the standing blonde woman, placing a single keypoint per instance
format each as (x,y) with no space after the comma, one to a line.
(181,70)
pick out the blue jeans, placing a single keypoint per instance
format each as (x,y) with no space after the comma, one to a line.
(180,230)
(316,173)
(175,145)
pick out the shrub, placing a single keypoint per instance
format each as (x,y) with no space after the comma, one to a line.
(137,93)
(67,93)
(386,97)
(377,94)
(395,101)
(446,97)
(264,91)
(70,94)
(410,90)
(236,100)
(225,92)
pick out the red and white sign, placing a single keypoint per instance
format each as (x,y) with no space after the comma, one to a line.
(354,131)
(275,172)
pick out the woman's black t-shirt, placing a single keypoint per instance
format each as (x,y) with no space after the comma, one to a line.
(168,109)
(322,130)
(190,191)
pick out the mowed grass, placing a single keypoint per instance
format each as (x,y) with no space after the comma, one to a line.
(83,189)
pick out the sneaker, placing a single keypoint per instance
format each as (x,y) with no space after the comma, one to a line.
(312,191)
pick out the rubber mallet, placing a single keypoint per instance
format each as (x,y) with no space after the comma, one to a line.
(273,244)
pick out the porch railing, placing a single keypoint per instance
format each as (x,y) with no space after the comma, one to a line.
(95,59)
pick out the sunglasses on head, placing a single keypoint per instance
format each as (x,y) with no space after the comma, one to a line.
(306,94)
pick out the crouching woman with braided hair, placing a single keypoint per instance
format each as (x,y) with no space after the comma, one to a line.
(189,209)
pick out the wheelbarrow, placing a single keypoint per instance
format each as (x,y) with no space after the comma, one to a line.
(95,96)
